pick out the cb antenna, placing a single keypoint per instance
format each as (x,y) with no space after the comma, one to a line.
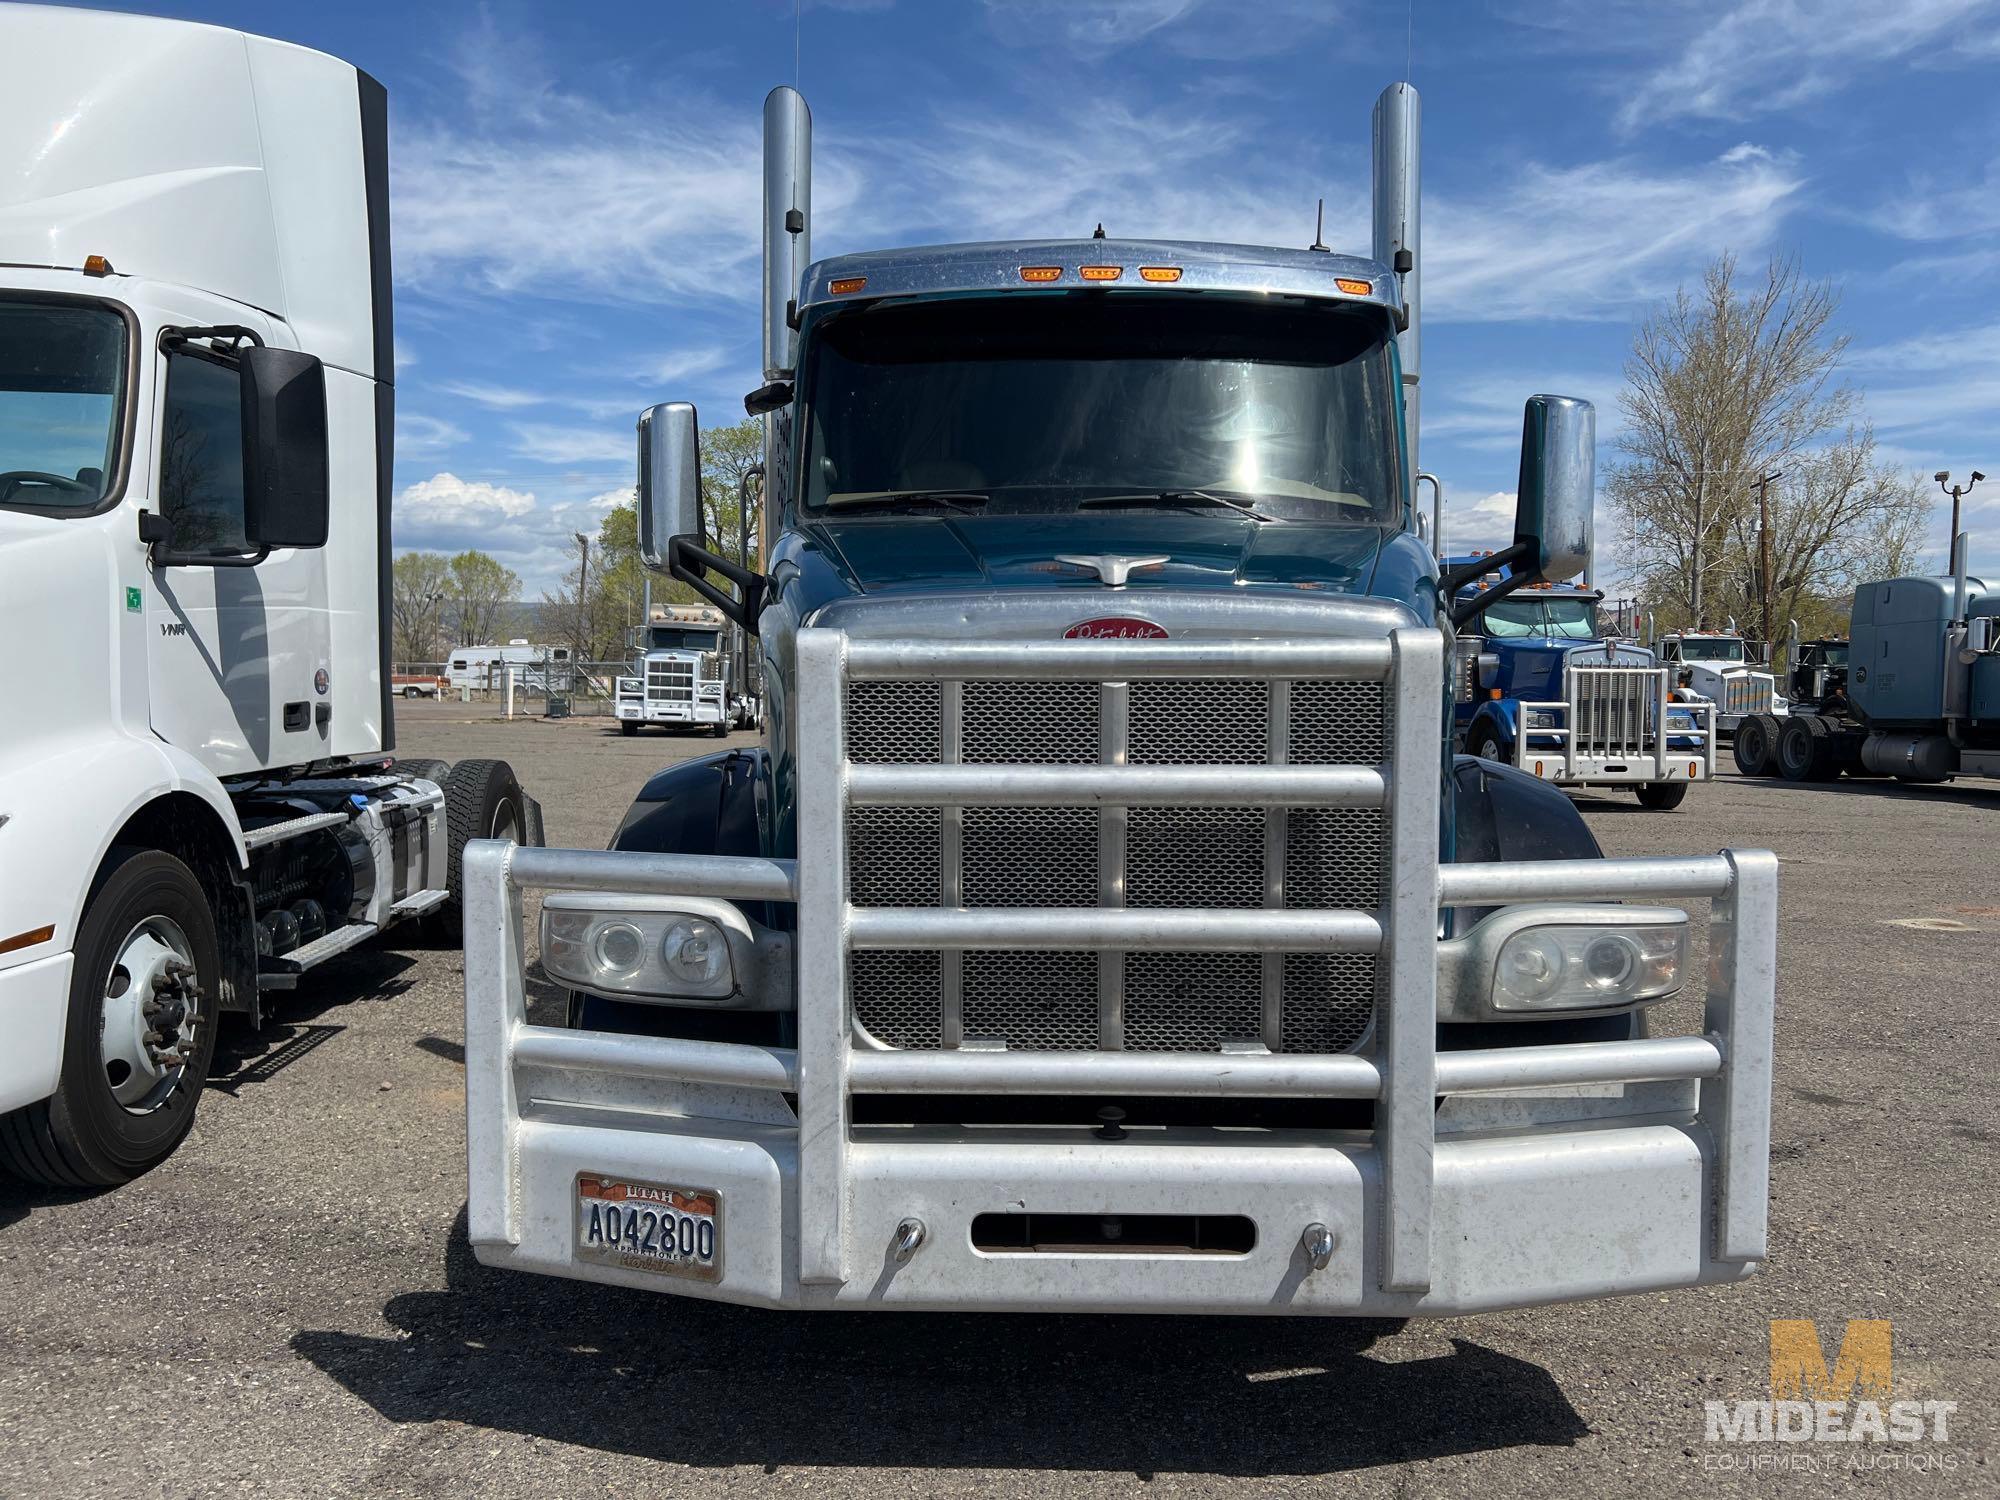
(1319,231)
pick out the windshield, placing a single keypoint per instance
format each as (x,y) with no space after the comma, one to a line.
(1712,650)
(1553,619)
(1031,404)
(1836,656)
(62,385)
(677,638)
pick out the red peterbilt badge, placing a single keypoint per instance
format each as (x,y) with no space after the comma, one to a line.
(1114,628)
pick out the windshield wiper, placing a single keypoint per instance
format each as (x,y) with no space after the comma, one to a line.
(1176,497)
(961,500)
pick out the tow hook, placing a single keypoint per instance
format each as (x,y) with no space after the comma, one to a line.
(1318,1242)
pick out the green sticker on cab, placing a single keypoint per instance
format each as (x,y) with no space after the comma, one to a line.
(132,600)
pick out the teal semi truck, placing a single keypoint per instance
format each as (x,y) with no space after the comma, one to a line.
(1104,922)
(1914,692)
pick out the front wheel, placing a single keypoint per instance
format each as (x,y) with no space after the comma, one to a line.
(627,728)
(412,692)
(718,731)
(1662,796)
(482,800)
(1490,748)
(139,1035)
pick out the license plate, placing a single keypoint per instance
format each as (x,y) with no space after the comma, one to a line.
(646,1226)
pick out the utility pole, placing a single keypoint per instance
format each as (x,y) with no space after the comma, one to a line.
(1956,491)
(582,594)
(1764,600)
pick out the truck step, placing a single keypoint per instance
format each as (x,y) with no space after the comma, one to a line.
(291,828)
(283,971)
(417,903)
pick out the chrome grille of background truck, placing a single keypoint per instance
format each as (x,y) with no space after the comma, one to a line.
(1143,856)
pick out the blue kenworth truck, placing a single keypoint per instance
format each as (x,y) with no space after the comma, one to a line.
(1104,921)
(1540,689)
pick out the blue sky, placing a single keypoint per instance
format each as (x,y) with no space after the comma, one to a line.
(576,196)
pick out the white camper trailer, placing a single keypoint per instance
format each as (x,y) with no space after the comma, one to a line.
(197,401)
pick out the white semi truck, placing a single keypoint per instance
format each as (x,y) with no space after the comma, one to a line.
(680,677)
(197,802)
(1719,667)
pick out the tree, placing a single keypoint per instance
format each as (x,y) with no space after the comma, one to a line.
(1725,385)
(728,454)
(418,591)
(480,590)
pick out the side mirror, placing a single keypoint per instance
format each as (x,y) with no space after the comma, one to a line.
(669,480)
(1556,501)
(285,488)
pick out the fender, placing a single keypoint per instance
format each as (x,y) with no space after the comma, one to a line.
(1499,813)
(712,804)
(1502,714)
(64,808)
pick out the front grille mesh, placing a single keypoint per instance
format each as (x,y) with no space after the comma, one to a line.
(1215,857)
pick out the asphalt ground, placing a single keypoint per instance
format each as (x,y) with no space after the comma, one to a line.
(288,1305)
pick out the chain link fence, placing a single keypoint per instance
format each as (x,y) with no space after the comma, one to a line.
(541,687)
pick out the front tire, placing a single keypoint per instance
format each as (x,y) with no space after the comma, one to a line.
(1490,748)
(627,728)
(1797,760)
(482,800)
(1661,796)
(140,1032)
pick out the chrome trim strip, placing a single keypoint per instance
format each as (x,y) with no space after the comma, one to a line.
(1114,729)
(1585,880)
(1360,659)
(1153,929)
(1407,1014)
(825,1027)
(1277,752)
(951,863)
(1077,786)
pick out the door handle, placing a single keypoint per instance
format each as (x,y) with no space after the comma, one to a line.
(298,716)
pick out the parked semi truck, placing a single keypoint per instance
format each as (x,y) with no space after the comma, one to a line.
(1103,922)
(1720,667)
(680,677)
(1914,692)
(196,405)
(1540,689)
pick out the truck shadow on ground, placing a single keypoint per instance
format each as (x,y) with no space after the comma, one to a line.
(712,1385)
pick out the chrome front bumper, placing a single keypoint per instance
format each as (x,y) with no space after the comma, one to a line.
(1610,732)
(1547,1172)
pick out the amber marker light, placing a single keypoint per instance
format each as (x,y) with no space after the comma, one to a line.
(27,939)
(96,265)
(1041,273)
(1100,273)
(842,285)
(1353,287)
(1159,273)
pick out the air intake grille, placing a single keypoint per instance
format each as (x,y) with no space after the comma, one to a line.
(1168,856)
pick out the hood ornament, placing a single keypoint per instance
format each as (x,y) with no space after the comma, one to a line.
(1110,568)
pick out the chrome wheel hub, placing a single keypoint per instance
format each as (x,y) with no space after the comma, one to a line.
(151,1015)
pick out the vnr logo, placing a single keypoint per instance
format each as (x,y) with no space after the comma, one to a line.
(174,628)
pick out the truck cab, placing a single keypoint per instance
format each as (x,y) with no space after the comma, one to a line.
(1539,688)
(680,676)
(1722,667)
(197,801)
(1103,922)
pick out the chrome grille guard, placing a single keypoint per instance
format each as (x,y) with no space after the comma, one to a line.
(513,1067)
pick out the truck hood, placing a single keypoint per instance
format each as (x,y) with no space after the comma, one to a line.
(895,554)
(1532,669)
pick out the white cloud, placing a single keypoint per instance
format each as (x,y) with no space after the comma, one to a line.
(445,500)
(1764,56)
(550,443)
(493,397)
(421,436)
(1216,30)
(1595,240)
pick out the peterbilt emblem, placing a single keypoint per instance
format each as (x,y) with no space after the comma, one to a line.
(1111,569)
(1115,628)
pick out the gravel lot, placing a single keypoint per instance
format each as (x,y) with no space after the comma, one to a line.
(288,1306)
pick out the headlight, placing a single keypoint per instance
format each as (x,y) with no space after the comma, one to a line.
(1541,718)
(685,949)
(1527,960)
(1680,718)
(1568,968)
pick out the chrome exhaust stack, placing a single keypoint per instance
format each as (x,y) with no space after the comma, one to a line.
(787,223)
(1399,223)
